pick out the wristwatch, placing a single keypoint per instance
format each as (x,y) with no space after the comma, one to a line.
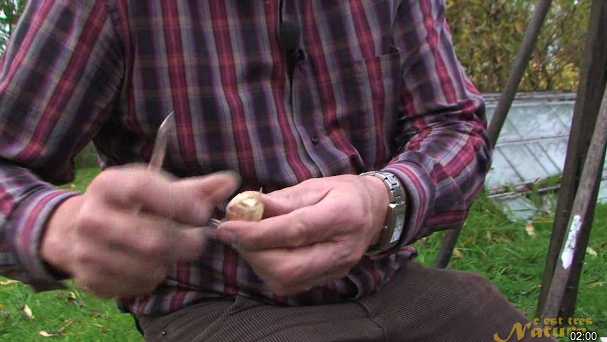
(397,210)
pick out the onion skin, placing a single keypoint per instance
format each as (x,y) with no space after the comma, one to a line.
(246,206)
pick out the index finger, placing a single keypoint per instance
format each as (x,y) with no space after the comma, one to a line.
(189,201)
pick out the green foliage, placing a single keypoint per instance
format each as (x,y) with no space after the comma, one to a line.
(488,34)
(10,10)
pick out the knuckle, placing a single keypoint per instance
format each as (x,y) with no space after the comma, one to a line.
(154,245)
(132,186)
(298,231)
(109,178)
(84,257)
(88,222)
(104,180)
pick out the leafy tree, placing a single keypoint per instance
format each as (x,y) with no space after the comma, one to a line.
(10,10)
(488,35)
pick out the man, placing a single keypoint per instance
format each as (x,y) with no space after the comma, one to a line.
(296,97)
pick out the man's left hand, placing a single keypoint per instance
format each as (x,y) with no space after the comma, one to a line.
(312,233)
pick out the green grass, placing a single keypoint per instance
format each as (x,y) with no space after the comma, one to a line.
(72,313)
(513,260)
(490,244)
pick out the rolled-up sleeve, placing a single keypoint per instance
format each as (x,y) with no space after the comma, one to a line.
(59,81)
(444,153)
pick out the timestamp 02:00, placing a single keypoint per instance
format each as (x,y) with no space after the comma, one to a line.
(584,336)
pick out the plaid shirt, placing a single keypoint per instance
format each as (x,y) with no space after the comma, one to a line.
(374,85)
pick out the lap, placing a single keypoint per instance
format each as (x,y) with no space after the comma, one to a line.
(419,304)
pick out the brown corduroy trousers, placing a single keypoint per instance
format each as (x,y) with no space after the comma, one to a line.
(419,304)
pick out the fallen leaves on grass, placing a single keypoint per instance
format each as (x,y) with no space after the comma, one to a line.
(72,297)
(59,332)
(8,282)
(457,253)
(591,252)
(27,312)
(489,236)
(530,229)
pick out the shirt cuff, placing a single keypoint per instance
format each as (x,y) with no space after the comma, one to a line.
(419,194)
(28,223)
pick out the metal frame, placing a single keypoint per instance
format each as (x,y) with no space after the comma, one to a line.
(559,300)
(582,173)
(590,93)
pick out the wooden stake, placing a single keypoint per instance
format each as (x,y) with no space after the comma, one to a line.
(592,86)
(583,205)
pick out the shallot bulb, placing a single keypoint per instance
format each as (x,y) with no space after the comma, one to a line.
(246,206)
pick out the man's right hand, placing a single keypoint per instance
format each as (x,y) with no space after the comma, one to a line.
(120,237)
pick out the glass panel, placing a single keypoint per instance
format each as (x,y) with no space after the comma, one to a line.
(543,158)
(524,163)
(565,113)
(557,150)
(508,133)
(537,121)
(603,192)
(501,173)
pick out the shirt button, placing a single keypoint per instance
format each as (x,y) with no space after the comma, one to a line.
(315,140)
(301,55)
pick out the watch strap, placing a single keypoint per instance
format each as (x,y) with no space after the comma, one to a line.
(395,218)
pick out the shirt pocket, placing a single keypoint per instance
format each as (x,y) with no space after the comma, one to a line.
(360,105)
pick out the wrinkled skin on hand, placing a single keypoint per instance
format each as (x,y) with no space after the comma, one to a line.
(312,233)
(121,236)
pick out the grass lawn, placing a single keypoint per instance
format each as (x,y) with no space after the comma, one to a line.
(500,250)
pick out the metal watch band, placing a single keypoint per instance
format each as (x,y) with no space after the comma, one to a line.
(395,219)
